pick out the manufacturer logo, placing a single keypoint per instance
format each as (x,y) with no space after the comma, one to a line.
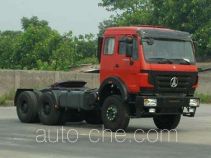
(174,82)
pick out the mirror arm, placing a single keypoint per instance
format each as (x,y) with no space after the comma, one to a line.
(131,61)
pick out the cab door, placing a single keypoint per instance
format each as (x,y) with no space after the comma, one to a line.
(128,68)
(108,61)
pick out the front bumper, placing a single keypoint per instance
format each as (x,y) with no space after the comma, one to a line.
(165,105)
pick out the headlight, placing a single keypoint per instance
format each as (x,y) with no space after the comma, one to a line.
(150,102)
(194,103)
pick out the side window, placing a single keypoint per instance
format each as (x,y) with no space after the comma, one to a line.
(109,46)
(123,47)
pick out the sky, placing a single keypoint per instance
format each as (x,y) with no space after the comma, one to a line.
(79,16)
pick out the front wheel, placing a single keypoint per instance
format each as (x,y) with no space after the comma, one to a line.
(167,121)
(115,114)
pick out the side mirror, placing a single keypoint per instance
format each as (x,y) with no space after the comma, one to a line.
(150,41)
(100,44)
(129,40)
(129,50)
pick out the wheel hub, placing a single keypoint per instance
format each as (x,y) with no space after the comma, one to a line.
(46,109)
(24,107)
(111,113)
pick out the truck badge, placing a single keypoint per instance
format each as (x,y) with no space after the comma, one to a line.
(174,82)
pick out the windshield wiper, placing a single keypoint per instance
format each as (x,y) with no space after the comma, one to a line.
(183,61)
(161,60)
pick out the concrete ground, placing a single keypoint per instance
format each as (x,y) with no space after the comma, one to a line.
(193,139)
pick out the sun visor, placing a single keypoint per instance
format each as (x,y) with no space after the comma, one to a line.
(165,34)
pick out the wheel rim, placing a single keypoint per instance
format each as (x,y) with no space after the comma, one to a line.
(111,113)
(46,108)
(24,107)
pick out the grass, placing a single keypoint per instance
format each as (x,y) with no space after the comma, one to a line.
(204,98)
(3,100)
(7,97)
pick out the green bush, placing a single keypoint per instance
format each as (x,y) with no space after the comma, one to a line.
(7,97)
(40,47)
(3,100)
(204,98)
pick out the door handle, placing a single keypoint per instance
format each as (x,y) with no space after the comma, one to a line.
(117,66)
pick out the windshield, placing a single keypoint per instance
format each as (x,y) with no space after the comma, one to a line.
(168,51)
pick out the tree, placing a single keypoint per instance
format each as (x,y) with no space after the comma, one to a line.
(86,45)
(191,15)
(36,43)
(124,5)
(64,56)
(8,44)
(135,12)
(33,21)
(38,46)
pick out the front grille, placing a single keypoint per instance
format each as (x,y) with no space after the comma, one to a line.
(162,82)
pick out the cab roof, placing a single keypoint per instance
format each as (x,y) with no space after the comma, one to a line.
(133,29)
(147,31)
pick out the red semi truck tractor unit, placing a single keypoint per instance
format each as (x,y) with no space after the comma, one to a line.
(145,71)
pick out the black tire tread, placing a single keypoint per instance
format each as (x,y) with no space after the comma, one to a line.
(32,115)
(167,121)
(123,121)
(55,117)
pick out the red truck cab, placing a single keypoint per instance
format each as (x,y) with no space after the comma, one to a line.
(133,70)
(153,69)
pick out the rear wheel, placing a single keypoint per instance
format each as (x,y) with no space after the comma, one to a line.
(49,114)
(167,121)
(115,114)
(27,107)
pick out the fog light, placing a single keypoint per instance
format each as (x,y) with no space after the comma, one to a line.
(194,103)
(191,110)
(150,102)
(151,110)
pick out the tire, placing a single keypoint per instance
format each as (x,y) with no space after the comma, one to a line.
(167,121)
(115,113)
(48,113)
(38,95)
(27,107)
(93,117)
